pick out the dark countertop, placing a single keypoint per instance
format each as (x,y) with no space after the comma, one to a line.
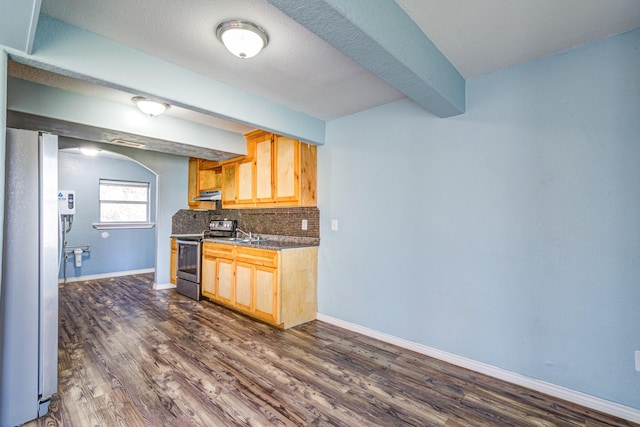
(272,242)
(186,236)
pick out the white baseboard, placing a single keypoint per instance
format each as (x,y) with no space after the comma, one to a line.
(107,275)
(570,395)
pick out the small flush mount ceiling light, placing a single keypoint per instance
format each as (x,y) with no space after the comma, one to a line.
(149,107)
(88,151)
(241,38)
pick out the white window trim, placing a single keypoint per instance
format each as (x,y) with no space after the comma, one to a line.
(126,224)
(118,225)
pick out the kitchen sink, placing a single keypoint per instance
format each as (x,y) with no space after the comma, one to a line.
(241,239)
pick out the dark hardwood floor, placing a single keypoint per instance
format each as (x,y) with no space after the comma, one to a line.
(131,356)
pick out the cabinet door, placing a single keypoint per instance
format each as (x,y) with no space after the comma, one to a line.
(266,300)
(194,190)
(245,182)
(244,286)
(173,262)
(208,277)
(287,163)
(264,178)
(224,281)
(228,184)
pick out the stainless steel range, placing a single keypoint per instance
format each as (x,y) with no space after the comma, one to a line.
(190,256)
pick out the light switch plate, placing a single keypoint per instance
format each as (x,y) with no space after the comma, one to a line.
(334,225)
(304,224)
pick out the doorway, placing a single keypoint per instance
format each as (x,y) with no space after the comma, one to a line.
(109,189)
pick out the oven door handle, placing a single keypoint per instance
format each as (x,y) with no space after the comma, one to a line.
(188,242)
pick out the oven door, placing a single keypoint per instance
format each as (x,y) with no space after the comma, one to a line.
(189,260)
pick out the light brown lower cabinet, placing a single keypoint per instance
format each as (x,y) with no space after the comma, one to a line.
(217,272)
(173,262)
(277,287)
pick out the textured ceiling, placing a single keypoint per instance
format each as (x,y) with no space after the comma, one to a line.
(480,37)
(297,69)
(303,72)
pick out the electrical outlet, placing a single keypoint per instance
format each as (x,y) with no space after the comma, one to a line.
(334,225)
(638,360)
(304,224)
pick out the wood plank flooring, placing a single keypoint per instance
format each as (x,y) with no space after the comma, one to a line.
(131,356)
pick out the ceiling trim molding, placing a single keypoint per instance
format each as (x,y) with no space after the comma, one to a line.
(380,36)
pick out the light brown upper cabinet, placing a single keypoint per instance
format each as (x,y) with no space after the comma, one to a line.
(210,175)
(204,175)
(277,171)
(244,183)
(228,184)
(264,168)
(194,184)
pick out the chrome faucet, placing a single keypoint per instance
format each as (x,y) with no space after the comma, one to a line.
(251,238)
(243,232)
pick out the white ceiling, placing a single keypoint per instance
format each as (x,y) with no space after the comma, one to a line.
(303,72)
(480,37)
(297,69)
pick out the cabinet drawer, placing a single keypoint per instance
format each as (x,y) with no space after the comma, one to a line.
(263,257)
(217,250)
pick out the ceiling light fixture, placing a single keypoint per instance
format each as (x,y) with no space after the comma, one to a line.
(149,107)
(242,38)
(87,151)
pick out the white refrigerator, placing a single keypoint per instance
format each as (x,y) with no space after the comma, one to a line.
(29,287)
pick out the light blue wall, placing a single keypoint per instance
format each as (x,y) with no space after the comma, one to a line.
(123,249)
(509,235)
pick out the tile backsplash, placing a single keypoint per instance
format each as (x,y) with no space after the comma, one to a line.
(187,221)
(277,221)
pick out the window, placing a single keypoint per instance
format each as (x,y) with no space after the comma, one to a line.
(123,203)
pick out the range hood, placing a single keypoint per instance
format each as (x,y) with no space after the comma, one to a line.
(208,196)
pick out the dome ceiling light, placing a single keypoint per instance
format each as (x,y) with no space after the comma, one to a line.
(89,151)
(242,38)
(149,107)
